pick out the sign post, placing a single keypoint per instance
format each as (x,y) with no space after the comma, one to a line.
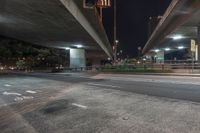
(103,4)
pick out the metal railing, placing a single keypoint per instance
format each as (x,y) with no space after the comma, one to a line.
(186,66)
(180,66)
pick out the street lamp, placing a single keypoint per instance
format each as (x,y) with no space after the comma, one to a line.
(180,47)
(116,41)
(157,50)
(79,46)
(67,48)
(177,37)
(167,49)
(115,49)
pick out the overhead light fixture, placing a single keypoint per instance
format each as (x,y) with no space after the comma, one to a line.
(117,41)
(180,47)
(167,49)
(157,50)
(177,37)
(67,48)
(79,46)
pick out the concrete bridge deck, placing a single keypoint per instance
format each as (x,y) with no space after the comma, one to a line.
(53,23)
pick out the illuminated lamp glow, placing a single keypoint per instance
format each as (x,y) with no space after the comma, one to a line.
(167,49)
(157,50)
(180,47)
(177,37)
(79,46)
(67,48)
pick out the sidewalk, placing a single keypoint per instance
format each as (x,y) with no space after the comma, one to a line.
(157,74)
(88,74)
(173,74)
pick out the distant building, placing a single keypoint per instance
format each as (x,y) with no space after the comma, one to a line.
(153,22)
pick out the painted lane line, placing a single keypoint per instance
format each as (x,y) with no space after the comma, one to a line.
(151,80)
(80,106)
(4,105)
(104,85)
(27,97)
(11,93)
(7,85)
(18,99)
(23,98)
(32,92)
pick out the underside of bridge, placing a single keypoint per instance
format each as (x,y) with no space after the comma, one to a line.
(178,26)
(54,23)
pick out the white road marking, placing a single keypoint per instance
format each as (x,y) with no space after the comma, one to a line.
(19,99)
(152,79)
(4,105)
(76,76)
(27,97)
(32,92)
(79,105)
(11,93)
(104,85)
(7,85)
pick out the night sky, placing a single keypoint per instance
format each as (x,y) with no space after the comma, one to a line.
(132,22)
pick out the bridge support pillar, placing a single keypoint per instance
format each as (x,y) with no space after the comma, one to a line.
(197,55)
(77,58)
(160,57)
(197,52)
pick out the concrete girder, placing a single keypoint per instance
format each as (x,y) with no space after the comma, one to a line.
(75,10)
(178,14)
(53,23)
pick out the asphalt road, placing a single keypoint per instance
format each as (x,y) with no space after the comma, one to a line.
(176,87)
(105,103)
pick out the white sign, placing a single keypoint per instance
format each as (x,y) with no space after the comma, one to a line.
(193,45)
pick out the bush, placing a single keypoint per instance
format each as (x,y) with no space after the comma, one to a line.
(21,64)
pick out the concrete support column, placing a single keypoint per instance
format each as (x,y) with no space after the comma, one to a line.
(197,53)
(198,45)
(160,57)
(77,58)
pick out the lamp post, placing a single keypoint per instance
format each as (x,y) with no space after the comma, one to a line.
(139,52)
(115,41)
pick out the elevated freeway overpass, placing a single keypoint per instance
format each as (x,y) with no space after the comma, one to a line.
(61,24)
(179,24)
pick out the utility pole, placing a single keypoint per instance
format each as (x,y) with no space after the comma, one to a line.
(115,31)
